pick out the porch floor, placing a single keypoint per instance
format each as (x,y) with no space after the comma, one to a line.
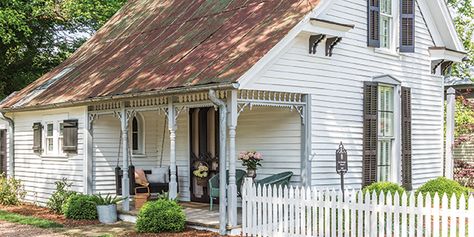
(197,214)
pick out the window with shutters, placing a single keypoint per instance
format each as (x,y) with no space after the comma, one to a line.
(386,138)
(53,139)
(386,132)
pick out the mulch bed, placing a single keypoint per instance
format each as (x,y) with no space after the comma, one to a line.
(45,213)
(187,233)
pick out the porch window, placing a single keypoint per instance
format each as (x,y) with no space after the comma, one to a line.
(386,19)
(386,129)
(137,135)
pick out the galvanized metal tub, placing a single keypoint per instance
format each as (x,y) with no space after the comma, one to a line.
(107,213)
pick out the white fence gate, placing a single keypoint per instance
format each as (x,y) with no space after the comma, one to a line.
(289,211)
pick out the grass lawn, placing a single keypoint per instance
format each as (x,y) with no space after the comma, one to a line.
(28,220)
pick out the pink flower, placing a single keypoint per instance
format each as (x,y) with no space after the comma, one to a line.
(258,156)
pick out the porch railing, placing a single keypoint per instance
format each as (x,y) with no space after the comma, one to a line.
(290,211)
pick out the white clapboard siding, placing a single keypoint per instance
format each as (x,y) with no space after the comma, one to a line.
(39,173)
(276,133)
(335,85)
(106,147)
(296,211)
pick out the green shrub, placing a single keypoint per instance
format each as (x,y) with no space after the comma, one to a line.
(60,196)
(386,187)
(12,191)
(161,216)
(80,207)
(443,185)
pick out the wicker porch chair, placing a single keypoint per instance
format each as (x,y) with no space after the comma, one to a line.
(214,185)
(282,179)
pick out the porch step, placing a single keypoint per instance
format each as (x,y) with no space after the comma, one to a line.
(131,217)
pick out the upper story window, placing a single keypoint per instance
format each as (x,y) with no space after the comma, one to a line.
(386,23)
(391,25)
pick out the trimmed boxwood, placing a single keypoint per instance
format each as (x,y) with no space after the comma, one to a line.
(443,185)
(80,207)
(161,216)
(384,187)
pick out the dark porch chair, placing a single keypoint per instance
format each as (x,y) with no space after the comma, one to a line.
(282,179)
(214,184)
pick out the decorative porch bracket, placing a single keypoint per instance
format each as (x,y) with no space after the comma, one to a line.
(314,41)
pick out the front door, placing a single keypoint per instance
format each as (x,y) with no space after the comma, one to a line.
(204,141)
(3,151)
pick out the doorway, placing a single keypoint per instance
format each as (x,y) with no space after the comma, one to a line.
(204,142)
(3,151)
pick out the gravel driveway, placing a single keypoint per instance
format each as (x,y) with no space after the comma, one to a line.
(8,229)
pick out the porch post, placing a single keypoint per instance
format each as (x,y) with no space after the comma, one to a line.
(232,189)
(173,185)
(450,110)
(222,160)
(306,142)
(125,180)
(88,155)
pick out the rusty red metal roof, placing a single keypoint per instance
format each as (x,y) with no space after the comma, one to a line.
(152,45)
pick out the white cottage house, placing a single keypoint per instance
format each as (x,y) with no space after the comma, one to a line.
(164,82)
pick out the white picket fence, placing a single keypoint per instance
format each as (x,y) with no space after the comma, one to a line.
(290,211)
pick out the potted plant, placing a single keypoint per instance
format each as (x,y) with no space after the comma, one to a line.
(201,174)
(106,208)
(251,160)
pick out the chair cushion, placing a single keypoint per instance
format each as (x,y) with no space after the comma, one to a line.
(161,171)
(156,178)
(140,177)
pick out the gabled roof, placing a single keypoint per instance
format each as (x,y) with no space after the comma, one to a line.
(152,45)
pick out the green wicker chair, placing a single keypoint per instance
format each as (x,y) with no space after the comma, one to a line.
(282,179)
(214,184)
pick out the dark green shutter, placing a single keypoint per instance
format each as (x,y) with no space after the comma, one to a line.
(37,137)
(70,136)
(369,165)
(3,151)
(407,26)
(406,139)
(373,23)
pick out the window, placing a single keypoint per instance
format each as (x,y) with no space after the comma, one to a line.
(61,135)
(49,138)
(54,138)
(137,135)
(386,136)
(386,19)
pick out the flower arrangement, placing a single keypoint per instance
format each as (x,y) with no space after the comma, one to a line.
(201,171)
(251,159)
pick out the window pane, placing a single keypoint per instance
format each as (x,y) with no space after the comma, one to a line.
(61,129)
(50,144)
(386,7)
(386,111)
(50,130)
(385,32)
(384,158)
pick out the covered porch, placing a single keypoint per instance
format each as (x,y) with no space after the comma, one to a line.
(185,130)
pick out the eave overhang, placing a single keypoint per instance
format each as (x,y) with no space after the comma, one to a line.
(444,58)
(167,92)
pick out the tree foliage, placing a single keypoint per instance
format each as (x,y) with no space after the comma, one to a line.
(37,35)
(464,21)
